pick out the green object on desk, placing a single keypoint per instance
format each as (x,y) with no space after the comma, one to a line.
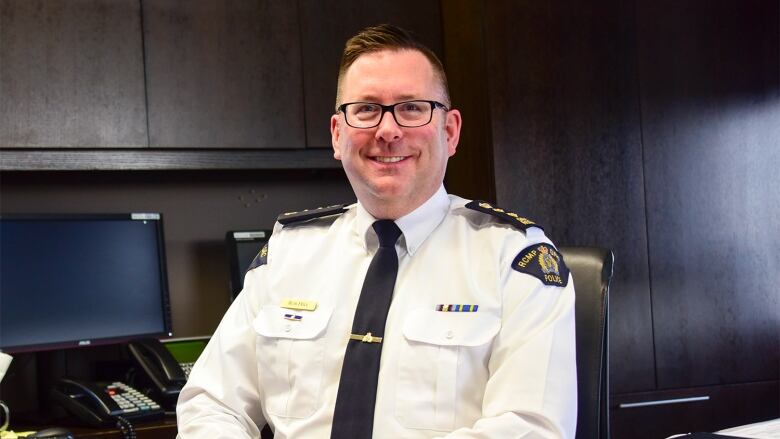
(186,350)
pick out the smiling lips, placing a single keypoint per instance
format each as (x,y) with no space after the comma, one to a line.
(389,159)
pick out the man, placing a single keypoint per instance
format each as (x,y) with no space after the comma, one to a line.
(475,307)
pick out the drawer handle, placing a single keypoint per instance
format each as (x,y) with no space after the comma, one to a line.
(630,405)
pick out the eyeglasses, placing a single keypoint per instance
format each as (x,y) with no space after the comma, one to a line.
(409,114)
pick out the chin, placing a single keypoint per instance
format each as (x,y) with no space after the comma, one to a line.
(387,190)
(391,193)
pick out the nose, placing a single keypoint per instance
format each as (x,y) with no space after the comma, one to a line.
(388,130)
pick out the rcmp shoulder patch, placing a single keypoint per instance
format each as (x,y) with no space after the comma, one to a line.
(543,262)
(508,217)
(260,259)
(305,215)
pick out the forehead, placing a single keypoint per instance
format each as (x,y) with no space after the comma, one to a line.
(389,76)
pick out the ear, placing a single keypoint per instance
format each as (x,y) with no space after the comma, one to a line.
(335,135)
(452,129)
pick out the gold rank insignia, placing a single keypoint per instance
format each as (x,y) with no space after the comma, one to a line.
(543,262)
(307,214)
(508,217)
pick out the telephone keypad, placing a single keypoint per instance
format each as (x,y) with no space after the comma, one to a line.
(186,367)
(130,400)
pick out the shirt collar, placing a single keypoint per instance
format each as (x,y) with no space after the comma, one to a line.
(416,226)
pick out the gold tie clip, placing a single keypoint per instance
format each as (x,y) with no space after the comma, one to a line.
(368,338)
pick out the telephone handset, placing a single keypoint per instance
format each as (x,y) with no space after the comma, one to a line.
(161,368)
(99,404)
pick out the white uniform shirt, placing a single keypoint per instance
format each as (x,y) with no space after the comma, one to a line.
(504,371)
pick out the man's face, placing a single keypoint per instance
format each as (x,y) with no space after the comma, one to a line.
(394,169)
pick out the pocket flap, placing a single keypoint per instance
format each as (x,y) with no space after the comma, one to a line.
(451,328)
(277,322)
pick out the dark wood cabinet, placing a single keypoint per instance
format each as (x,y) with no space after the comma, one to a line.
(326,26)
(653,128)
(71,74)
(238,75)
(660,414)
(711,125)
(470,170)
(567,148)
(223,74)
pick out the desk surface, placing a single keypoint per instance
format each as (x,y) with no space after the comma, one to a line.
(760,430)
(161,429)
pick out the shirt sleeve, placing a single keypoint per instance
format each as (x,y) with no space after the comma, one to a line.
(221,398)
(532,388)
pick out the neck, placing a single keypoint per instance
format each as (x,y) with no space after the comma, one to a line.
(393,209)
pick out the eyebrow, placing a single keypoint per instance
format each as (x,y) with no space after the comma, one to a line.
(401,98)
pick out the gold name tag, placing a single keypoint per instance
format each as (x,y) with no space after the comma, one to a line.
(306,305)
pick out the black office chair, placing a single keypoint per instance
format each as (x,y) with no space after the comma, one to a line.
(592,271)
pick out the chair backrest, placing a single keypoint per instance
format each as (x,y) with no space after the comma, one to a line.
(592,271)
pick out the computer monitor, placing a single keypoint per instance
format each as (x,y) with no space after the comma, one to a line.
(243,246)
(80,280)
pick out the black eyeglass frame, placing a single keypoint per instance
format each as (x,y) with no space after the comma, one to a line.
(391,108)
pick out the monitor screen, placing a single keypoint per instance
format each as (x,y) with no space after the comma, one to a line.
(79,280)
(186,349)
(243,246)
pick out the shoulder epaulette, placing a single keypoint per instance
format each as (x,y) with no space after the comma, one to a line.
(305,215)
(260,259)
(510,218)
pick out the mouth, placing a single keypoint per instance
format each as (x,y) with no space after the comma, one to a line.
(384,159)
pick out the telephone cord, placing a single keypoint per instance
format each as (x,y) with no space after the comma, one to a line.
(126,427)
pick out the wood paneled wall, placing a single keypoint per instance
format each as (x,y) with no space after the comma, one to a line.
(653,128)
(470,170)
(567,147)
(325,28)
(710,105)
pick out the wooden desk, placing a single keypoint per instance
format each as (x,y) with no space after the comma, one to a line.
(162,429)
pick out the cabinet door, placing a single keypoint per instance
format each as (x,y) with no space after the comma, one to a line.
(223,74)
(71,74)
(711,116)
(326,26)
(567,148)
(660,414)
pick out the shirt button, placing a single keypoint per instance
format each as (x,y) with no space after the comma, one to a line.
(287,328)
(449,335)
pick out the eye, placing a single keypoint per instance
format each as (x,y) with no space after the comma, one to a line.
(364,109)
(411,107)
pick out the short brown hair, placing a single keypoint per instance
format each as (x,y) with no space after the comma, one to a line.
(387,37)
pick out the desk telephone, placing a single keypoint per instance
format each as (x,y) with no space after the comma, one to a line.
(159,366)
(99,404)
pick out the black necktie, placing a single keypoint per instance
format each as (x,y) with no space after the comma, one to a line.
(354,414)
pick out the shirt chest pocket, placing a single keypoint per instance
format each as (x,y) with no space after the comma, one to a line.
(436,345)
(290,353)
